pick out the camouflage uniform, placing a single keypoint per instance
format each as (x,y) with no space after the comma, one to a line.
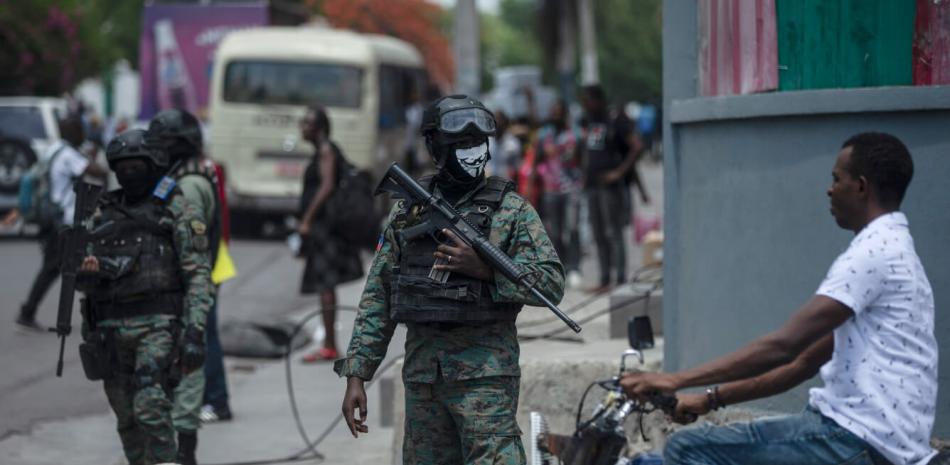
(200,192)
(143,346)
(462,384)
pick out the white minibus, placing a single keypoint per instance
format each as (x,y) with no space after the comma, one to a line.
(264,78)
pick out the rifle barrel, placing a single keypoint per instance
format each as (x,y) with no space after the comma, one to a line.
(557,311)
(59,363)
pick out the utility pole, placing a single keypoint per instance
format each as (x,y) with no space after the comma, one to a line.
(585,16)
(567,49)
(466,47)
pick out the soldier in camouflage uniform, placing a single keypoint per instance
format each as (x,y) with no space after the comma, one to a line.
(178,134)
(461,366)
(146,277)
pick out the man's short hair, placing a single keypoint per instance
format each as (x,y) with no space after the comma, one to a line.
(884,161)
(71,127)
(596,93)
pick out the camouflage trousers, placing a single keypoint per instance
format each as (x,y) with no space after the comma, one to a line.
(138,396)
(469,422)
(189,394)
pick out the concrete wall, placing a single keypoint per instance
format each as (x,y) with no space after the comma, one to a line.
(748,232)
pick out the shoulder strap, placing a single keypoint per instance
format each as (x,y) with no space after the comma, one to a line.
(52,159)
(426,181)
(494,191)
(199,167)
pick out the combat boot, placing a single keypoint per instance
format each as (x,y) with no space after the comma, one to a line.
(187,444)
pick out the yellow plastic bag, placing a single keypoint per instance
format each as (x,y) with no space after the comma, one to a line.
(224,267)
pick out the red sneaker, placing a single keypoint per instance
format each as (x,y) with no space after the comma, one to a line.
(322,354)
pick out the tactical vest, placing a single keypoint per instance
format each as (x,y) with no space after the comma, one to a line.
(205,168)
(137,259)
(414,297)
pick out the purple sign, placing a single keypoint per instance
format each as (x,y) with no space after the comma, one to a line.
(176,51)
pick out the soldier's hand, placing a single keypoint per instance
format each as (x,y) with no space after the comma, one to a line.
(461,258)
(192,350)
(89,265)
(355,398)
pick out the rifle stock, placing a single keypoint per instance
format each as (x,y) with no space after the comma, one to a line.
(73,250)
(443,215)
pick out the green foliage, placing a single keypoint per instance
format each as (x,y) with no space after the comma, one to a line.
(50,45)
(630,48)
(504,45)
(628,44)
(519,14)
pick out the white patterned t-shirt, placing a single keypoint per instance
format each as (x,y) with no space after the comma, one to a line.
(881,382)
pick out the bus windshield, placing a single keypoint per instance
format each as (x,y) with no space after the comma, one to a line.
(293,83)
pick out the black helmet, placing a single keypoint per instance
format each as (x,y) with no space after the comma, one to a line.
(458,114)
(454,121)
(170,126)
(132,144)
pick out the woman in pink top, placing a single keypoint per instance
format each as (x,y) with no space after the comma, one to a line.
(560,175)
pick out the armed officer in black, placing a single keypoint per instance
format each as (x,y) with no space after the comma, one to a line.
(146,279)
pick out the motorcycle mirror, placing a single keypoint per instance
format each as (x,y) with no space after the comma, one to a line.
(640,333)
(628,353)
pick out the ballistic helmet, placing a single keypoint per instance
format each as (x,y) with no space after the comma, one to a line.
(455,121)
(457,114)
(169,127)
(132,144)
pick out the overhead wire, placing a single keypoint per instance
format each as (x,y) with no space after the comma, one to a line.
(309,452)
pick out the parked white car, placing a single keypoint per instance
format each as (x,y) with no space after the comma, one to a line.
(32,120)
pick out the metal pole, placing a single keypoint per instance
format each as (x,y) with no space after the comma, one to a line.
(467,62)
(585,15)
(567,50)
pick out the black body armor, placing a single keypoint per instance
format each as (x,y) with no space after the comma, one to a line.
(139,270)
(414,297)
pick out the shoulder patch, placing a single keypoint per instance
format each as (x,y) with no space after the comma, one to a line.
(164,187)
(198,227)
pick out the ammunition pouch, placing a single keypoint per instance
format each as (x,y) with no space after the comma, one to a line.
(95,353)
(459,300)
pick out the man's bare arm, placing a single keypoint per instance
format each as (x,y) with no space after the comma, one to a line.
(777,381)
(812,322)
(782,378)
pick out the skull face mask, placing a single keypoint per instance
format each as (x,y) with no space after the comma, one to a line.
(472,160)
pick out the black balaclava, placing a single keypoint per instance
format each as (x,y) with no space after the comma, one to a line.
(137,166)
(137,184)
(462,164)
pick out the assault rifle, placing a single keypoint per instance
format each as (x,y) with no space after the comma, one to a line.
(73,240)
(443,216)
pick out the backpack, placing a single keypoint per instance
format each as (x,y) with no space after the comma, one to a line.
(35,195)
(351,210)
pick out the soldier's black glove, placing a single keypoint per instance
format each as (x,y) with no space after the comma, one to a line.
(192,350)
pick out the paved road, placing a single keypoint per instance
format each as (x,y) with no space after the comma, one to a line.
(265,289)
(28,386)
